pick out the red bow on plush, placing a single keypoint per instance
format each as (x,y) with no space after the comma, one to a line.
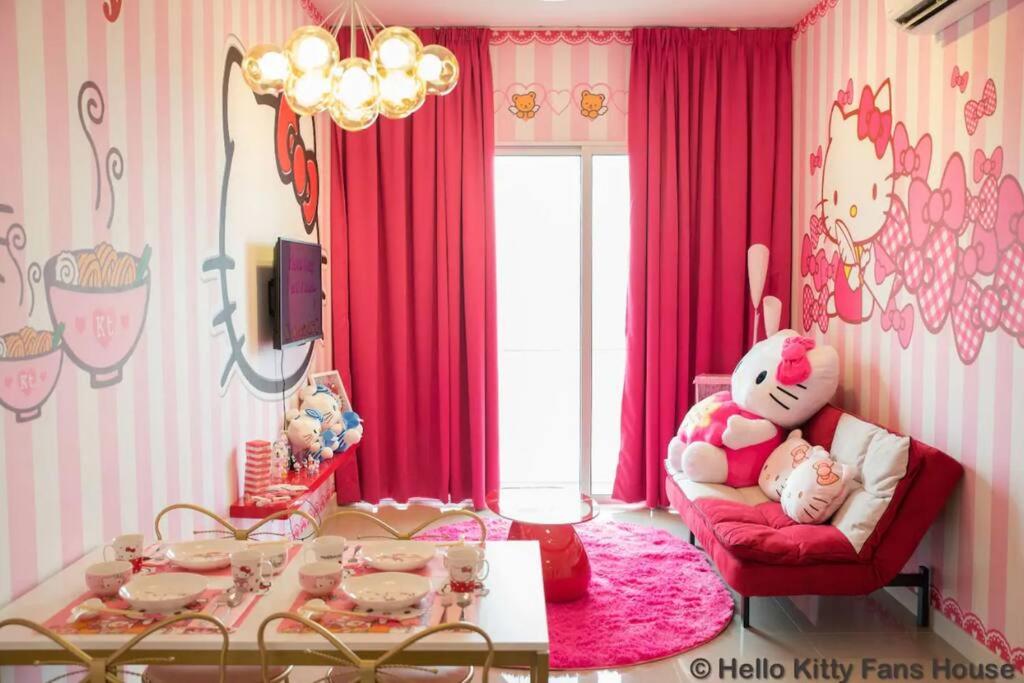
(988,166)
(911,160)
(944,207)
(958,80)
(872,123)
(900,321)
(816,160)
(976,110)
(845,97)
(795,367)
(815,309)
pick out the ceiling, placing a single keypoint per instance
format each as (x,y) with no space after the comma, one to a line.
(586,13)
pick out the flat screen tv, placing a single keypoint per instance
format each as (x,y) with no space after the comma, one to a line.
(296,293)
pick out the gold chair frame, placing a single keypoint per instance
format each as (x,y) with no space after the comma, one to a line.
(229,528)
(407,535)
(367,668)
(104,669)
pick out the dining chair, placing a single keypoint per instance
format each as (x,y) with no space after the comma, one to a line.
(108,669)
(229,529)
(351,668)
(395,522)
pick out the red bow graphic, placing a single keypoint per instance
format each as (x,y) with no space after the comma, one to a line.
(296,164)
(845,96)
(959,80)
(908,160)
(944,207)
(816,264)
(1009,212)
(816,227)
(815,309)
(899,321)
(988,166)
(816,160)
(872,123)
(976,110)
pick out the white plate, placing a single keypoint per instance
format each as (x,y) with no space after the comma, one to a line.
(203,556)
(398,556)
(386,590)
(163,592)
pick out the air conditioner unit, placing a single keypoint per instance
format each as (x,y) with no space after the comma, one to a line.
(929,16)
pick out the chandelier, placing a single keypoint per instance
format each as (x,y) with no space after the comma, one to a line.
(394,82)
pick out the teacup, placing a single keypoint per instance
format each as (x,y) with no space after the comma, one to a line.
(320,578)
(106,578)
(249,569)
(328,548)
(126,547)
(276,552)
(466,567)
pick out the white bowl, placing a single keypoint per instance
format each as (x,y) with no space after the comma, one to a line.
(398,556)
(386,590)
(163,592)
(203,556)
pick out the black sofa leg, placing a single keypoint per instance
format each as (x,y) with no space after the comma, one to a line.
(922,581)
(745,610)
(693,539)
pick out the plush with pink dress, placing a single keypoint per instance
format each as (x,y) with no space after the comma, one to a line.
(779,384)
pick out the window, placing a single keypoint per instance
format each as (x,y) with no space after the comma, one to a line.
(562,263)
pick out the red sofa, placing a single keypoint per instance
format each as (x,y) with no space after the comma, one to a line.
(759,551)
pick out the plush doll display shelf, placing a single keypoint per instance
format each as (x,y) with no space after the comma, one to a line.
(705,385)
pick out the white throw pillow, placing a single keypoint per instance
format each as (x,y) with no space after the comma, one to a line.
(783,460)
(817,487)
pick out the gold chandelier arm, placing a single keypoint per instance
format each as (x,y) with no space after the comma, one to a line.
(455,513)
(459,626)
(377,21)
(363,25)
(348,654)
(359,514)
(323,21)
(281,514)
(195,508)
(60,641)
(114,659)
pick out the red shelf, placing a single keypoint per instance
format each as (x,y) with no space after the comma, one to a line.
(311,480)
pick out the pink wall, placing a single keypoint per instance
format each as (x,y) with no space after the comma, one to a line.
(932,339)
(559,66)
(107,448)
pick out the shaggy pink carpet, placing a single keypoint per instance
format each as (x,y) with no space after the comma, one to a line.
(651,595)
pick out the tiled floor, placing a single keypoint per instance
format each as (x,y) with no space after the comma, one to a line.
(847,630)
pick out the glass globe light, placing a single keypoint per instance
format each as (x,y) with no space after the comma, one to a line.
(265,69)
(401,94)
(353,120)
(309,93)
(439,69)
(395,48)
(354,84)
(311,48)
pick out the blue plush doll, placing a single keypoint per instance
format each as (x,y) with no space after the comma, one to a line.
(353,431)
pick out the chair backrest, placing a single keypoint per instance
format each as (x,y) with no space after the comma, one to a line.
(366,525)
(104,669)
(367,668)
(229,529)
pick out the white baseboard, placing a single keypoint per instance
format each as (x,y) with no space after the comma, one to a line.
(966,645)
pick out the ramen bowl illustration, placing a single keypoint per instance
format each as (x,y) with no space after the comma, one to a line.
(100,296)
(30,362)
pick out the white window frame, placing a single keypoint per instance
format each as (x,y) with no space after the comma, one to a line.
(586,153)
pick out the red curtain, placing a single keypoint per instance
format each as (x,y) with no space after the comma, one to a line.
(710,147)
(413,287)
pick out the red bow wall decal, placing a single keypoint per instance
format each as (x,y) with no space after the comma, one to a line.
(845,96)
(296,164)
(872,123)
(944,207)
(988,166)
(1009,223)
(816,160)
(815,309)
(911,160)
(958,80)
(976,110)
(900,321)
(816,264)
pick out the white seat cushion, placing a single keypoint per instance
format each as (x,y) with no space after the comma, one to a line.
(748,495)
(170,673)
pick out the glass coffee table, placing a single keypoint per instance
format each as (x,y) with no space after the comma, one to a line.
(548,515)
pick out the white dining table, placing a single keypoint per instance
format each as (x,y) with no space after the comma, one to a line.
(513,615)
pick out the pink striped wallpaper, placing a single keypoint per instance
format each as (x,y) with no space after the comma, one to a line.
(117,123)
(908,235)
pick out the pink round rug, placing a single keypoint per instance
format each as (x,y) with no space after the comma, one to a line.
(652,595)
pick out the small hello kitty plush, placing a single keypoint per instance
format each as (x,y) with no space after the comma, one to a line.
(305,437)
(817,487)
(779,384)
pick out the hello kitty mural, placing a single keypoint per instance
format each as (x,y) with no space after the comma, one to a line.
(895,238)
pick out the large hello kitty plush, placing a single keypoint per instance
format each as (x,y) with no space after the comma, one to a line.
(779,384)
